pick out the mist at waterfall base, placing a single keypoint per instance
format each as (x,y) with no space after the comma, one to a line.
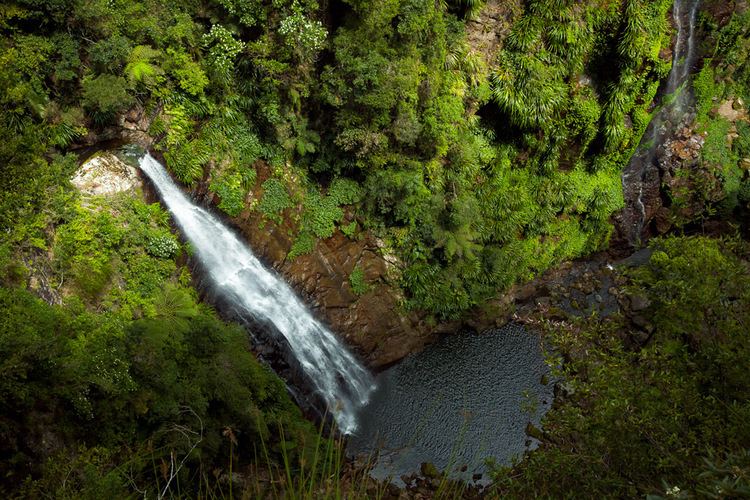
(240,280)
(675,111)
(462,400)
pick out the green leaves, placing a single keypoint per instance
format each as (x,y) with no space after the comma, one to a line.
(223,48)
(303,35)
(275,199)
(653,408)
(105,95)
(190,76)
(231,190)
(528,88)
(357,281)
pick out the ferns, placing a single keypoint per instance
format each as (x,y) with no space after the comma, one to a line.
(186,161)
(460,57)
(140,68)
(525,35)
(528,89)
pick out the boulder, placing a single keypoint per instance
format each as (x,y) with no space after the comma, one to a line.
(104,174)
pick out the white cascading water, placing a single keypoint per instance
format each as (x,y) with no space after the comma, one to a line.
(239,277)
(674,112)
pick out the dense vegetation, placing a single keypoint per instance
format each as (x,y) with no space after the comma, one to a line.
(131,373)
(381,96)
(666,414)
(478,169)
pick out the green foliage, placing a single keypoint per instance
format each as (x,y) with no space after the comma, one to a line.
(732,49)
(231,190)
(321,214)
(722,162)
(350,229)
(357,281)
(707,91)
(105,95)
(189,75)
(275,199)
(305,36)
(111,52)
(304,244)
(141,68)
(222,49)
(742,143)
(528,88)
(345,191)
(163,247)
(716,148)
(386,119)
(640,420)
(121,380)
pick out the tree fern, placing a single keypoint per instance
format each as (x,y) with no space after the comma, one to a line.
(140,67)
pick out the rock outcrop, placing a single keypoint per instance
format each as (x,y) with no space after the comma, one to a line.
(679,186)
(375,324)
(486,31)
(105,174)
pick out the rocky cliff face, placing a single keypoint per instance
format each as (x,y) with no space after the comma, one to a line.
(374,323)
(679,186)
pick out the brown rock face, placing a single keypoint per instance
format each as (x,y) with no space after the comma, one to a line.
(485,33)
(374,324)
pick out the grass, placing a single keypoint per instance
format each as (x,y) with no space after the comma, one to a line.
(324,472)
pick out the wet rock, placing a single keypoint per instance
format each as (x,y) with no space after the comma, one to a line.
(429,470)
(374,324)
(534,431)
(662,220)
(731,110)
(639,303)
(134,126)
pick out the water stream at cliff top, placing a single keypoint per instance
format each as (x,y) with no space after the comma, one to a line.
(675,111)
(240,278)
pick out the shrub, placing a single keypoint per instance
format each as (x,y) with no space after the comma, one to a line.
(163,246)
(105,95)
(321,214)
(275,199)
(357,281)
(345,191)
(349,229)
(304,244)
(230,188)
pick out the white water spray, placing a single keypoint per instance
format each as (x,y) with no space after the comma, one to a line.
(240,278)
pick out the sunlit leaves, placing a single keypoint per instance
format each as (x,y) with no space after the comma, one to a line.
(223,48)
(528,88)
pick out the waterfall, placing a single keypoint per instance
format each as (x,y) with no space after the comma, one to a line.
(672,113)
(240,278)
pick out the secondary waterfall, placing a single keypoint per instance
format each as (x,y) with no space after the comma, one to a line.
(674,110)
(240,278)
